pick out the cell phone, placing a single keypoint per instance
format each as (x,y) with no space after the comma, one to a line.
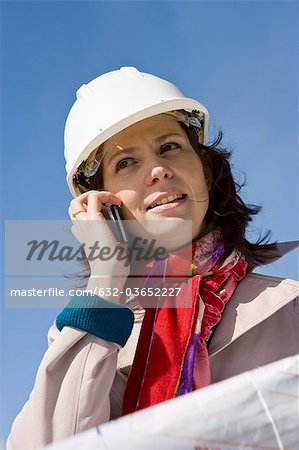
(113,215)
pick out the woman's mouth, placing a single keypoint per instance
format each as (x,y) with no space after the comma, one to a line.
(172,201)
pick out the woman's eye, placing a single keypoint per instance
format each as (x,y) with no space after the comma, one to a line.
(170,146)
(123,163)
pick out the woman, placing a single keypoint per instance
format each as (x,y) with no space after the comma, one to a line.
(134,140)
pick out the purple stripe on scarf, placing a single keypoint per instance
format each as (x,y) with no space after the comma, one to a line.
(186,382)
(156,275)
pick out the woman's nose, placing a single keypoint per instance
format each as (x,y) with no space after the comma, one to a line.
(158,173)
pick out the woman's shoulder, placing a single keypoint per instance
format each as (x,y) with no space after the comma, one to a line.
(267,292)
(257,298)
(257,284)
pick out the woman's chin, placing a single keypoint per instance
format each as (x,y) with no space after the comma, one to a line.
(170,233)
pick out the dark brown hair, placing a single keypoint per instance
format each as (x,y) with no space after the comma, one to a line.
(226,209)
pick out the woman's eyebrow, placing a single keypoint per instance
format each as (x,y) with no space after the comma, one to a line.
(130,150)
(166,136)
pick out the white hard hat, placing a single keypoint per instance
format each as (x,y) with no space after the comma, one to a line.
(112,102)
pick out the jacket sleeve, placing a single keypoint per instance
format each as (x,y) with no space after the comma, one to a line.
(73,382)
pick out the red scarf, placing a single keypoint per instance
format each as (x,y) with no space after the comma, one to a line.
(171,358)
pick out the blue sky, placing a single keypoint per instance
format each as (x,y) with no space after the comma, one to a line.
(239,58)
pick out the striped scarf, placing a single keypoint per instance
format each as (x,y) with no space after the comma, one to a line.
(172,358)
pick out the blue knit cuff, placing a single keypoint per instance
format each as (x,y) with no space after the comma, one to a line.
(102,318)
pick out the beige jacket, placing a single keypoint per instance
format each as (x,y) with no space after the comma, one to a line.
(81,380)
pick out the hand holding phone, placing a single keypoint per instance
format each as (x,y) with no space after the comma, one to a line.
(113,216)
(98,225)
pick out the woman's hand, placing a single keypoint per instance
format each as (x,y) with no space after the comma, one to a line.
(91,229)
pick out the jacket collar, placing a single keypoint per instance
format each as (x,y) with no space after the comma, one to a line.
(256,298)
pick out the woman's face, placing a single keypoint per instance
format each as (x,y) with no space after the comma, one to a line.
(151,162)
